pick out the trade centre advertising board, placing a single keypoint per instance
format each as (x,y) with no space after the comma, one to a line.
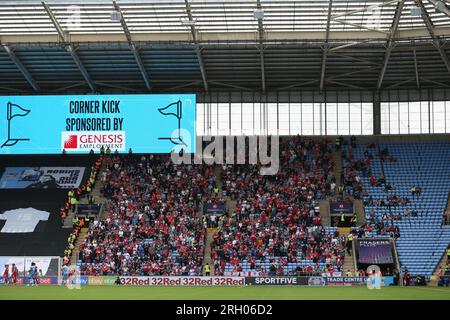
(49,124)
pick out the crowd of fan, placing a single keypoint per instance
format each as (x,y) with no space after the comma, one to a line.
(277,217)
(152,226)
(353,168)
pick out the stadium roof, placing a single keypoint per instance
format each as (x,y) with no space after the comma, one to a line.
(164,46)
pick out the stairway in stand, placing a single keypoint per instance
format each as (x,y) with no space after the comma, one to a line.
(96,192)
(76,250)
(337,167)
(207,259)
(211,231)
(99,199)
(348,265)
(358,207)
(434,279)
(325,217)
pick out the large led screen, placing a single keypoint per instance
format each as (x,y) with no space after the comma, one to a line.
(146,123)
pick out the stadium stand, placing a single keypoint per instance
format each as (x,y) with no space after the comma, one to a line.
(276,229)
(98,98)
(152,225)
(389,174)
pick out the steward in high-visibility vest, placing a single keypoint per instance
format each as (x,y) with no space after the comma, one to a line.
(73,201)
(353,219)
(349,240)
(337,143)
(207,269)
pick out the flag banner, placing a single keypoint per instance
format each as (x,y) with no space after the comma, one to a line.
(146,123)
(42,177)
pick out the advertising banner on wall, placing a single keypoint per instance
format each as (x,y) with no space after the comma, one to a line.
(277,281)
(183,281)
(374,251)
(343,281)
(88,209)
(214,208)
(41,177)
(21,280)
(101,281)
(341,207)
(146,123)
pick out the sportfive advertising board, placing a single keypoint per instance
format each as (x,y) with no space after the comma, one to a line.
(145,123)
(277,281)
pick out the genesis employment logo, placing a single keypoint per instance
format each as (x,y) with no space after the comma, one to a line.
(85,141)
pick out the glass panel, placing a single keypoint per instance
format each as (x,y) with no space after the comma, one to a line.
(318,118)
(272,119)
(295,119)
(343,121)
(414,117)
(332,118)
(224,117)
(236,129)
(367,118)
(424,105)
(247,119)
(438,109)
(307,119)
(403,117)
(200,121)
(283,116)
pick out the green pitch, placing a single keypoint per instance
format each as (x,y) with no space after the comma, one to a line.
(223,293)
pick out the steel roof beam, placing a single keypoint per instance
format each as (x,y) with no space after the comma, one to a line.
(325,49)
(436,40)
(416,69)
(231,85)
(344,14)
(446,10)
(12,89)
(390,43)
(261,48)
(198,50)
(133,48)
(22,68)
(69,47)
(247,37)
